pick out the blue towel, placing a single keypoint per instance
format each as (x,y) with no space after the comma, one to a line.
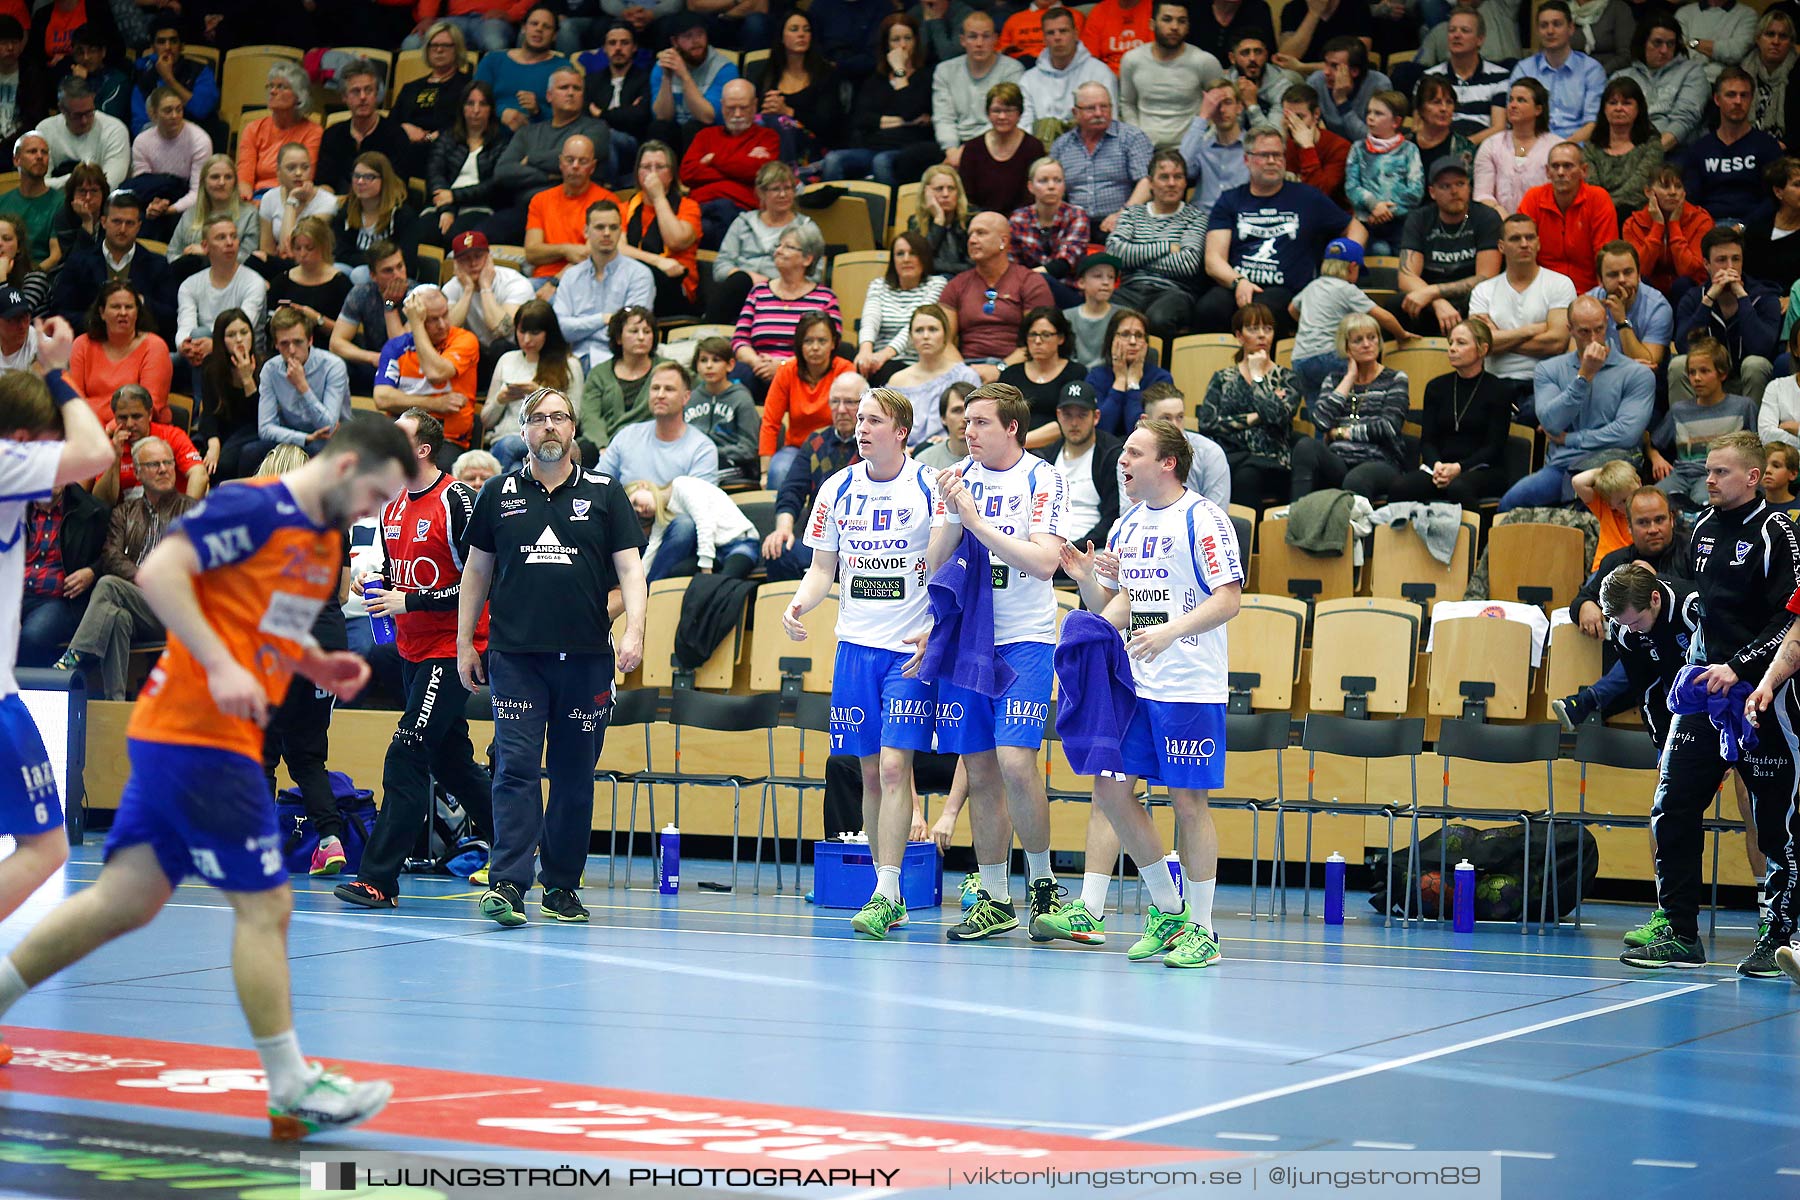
(1725,711)
(961,595)
(1096,695)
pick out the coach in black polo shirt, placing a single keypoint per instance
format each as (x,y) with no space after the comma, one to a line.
(546,545)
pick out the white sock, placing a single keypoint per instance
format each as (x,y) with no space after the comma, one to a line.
(12,985)
(1095,885)
(994,881)
(1200,898)
(887,883)
(1162,887)
(285,1069)
(1037,866)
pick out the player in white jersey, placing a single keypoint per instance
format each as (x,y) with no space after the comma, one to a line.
(1014,504)
(32,467)
(873,521)
(1174,581)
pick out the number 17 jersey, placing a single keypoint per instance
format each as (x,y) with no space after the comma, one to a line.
(879,529)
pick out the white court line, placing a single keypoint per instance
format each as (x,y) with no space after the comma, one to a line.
(1002,1122)
(1787,1170)
(1384,1145)
(1663,1162)
(1389,1065)
(1521,1154)
(468,1095)
(1248,1137)
(1151,1033)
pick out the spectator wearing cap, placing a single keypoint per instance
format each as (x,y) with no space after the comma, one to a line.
(34,201)
(23,79)
(592,290)
(1320,309)
(1088,457)
(687,82)
(1574,218)
(165,65)
(1106,162)
(1447,247)
(1096,278)
(1163,246)
(484,297)
(80,132)
(18,337)
(364,87)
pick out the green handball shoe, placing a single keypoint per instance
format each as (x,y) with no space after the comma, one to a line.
(1653,929)
(1194,948)
(1070,923)
(878,916)
(1160,932)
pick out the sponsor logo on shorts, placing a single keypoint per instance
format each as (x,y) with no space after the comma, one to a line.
(847,715)
(901,709)
(951,713)
(1191,750)
(1025,712)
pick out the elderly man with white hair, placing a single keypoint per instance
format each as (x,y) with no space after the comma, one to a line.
(117,614)
(1106,162)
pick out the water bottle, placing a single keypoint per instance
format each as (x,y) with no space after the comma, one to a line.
(1334,889)
(668,860)
(381,627)
(1173,862)
(1465,897)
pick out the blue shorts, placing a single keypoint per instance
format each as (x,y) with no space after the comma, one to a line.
(874,705)
(28,801)
(1176,743)
(204,812)
(969,723)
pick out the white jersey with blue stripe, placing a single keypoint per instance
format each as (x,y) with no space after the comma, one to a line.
(879,529)
(1027,498)
(1170,560)
(27,473)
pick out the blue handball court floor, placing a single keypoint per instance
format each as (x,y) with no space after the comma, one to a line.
(672,1025)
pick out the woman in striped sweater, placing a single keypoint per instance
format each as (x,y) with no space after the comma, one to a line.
(883,346)
(764,337)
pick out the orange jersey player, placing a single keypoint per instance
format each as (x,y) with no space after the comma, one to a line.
(237,582)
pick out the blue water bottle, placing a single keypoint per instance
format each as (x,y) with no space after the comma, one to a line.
(1465,897)
(382,628)
(1334,889)
(668,860)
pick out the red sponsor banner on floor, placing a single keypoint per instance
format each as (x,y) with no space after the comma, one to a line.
(565,1119)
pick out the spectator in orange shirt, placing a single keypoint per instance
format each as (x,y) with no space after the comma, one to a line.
(556,222)
(1666,233)
(260,143)
(1023,34)
(436,371)
(1574,218)
(1116,26)
(800,395)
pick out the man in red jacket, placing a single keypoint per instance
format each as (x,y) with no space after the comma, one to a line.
(721,162)
(1574,218)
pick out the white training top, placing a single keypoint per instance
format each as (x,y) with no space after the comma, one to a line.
(879,530)
(1029,497)
(1170,560)
(27,473)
